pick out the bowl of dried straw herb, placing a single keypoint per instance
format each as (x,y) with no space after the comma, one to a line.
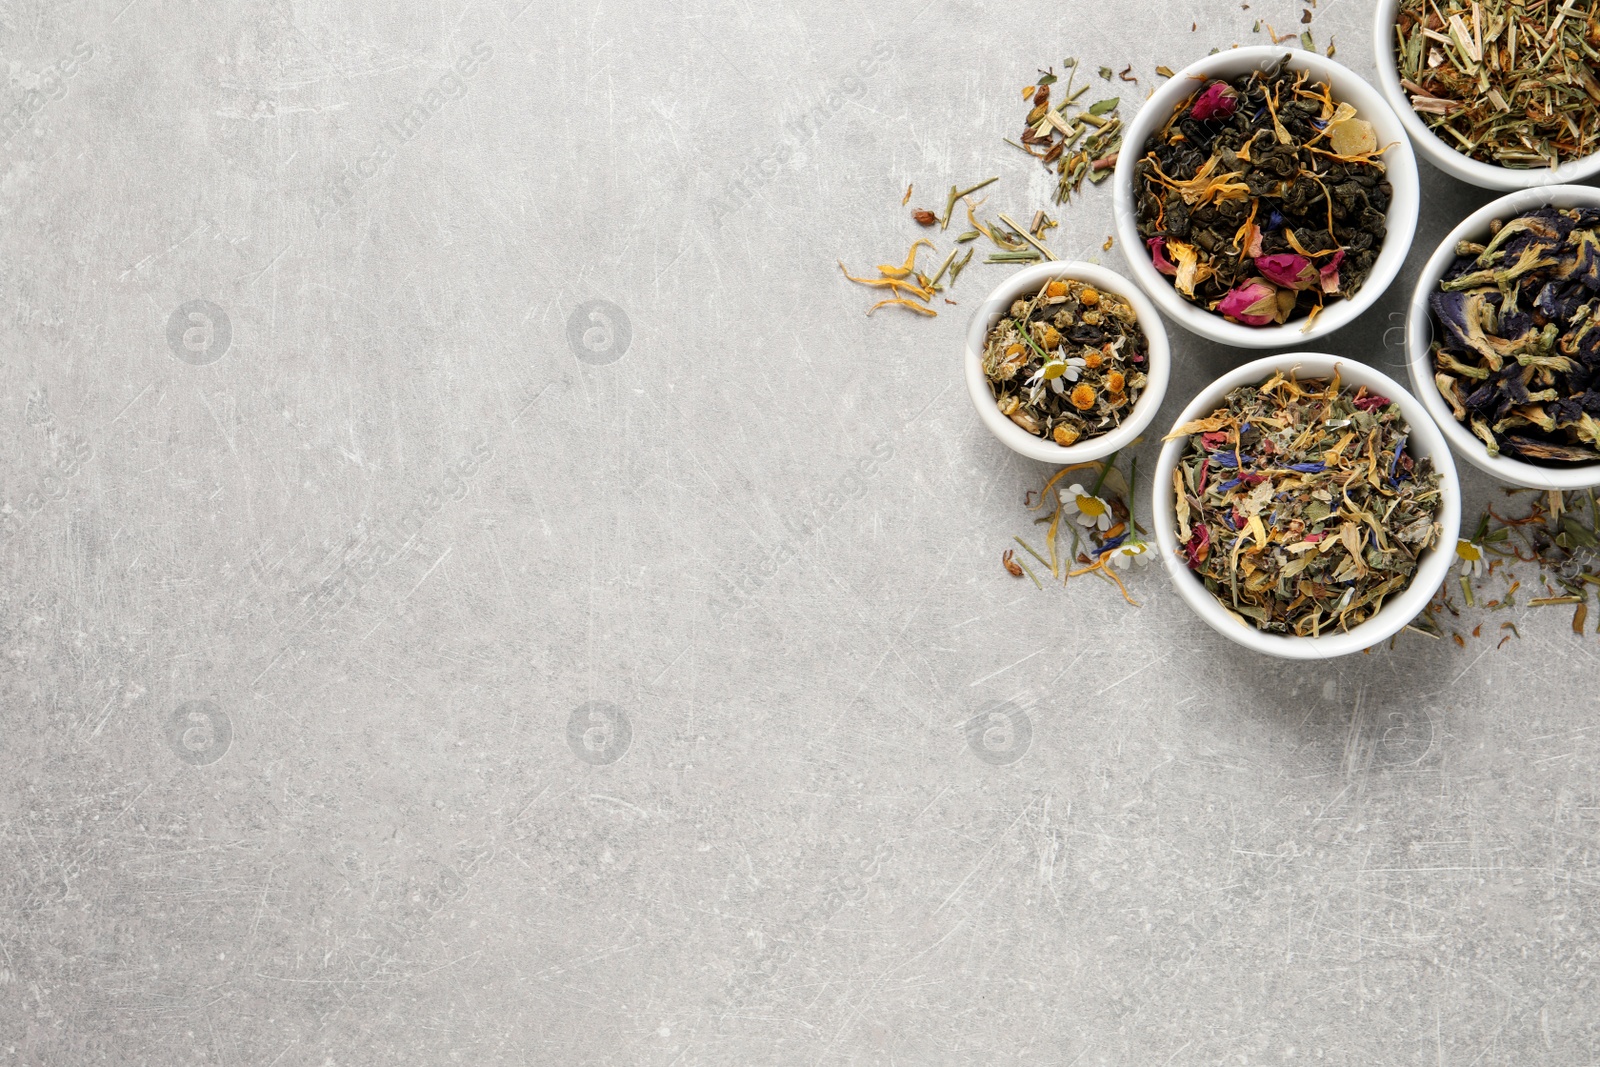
(1503,338)
(1503,94)
(1265,197)
(1066,362)
(1306,506)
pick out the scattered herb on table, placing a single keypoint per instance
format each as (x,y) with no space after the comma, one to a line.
(1299,506)
(1559,536)
(1516,349)
(1095,511)
(1068,363)
(1507,82)
(1054,131)
(1262,198)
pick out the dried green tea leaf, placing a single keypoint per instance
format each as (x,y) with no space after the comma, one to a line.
(1104,107)
(1263,198)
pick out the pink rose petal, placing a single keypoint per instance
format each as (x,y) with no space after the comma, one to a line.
(1288,270)
(1158,256)
(1329,275)
(1253,304)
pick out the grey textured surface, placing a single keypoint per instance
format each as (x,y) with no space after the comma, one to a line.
(408,677)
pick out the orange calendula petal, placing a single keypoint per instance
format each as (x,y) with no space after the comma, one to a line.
(918,308)
(890,271)
(892,284)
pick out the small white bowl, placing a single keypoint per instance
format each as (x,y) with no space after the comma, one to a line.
(1400,168)
(1439,151)
(1419,339)
(1425,441)
(1026,282)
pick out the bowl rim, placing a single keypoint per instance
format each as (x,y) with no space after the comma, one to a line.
(1400,167)
(1158,358)
(1425,440)
(1438,151)
(1419,337)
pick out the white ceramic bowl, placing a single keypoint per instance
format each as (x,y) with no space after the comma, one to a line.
(1439,151)
(1425,441)
(1026,282)
(1419,339)
(1399,164)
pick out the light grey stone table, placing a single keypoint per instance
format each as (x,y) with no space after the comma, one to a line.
(477,589)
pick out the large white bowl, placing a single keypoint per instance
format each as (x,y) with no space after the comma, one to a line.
(1399,164)
(1419,339)
(1425,441)
(1436,148)
(1026,282)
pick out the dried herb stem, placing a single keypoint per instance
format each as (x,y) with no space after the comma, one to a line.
(1028,237)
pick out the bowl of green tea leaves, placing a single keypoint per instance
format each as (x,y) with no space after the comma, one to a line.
(1504,94)
(1306,506)
(1503,338)
(1266,197)
(1066,362)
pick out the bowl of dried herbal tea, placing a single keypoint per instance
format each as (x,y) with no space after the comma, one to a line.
(1265,197)
(1499,93)
(1503,337)
(1306,506)
(1066,362)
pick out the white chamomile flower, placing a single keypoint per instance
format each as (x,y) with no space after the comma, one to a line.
(1058,372)
(1088,509)
(1129,553)
(1472,561)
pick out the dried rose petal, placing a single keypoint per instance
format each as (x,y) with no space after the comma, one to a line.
(1254,304)
(1158,256)
(1288,270)
(1218,101)
(1371,402)
(1329,275)
(1199,547)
